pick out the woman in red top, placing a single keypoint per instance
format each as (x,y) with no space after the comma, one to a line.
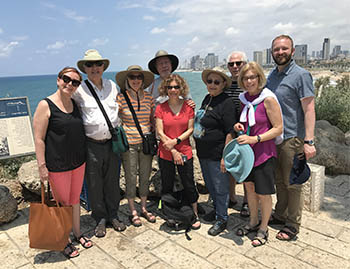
(174,122)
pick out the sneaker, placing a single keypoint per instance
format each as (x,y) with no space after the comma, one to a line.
(218,227)
(211,216)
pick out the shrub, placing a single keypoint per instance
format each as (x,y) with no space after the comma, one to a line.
(333,102)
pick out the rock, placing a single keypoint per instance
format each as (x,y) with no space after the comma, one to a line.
(28,176)
(8,205)
(347,138)
(332,150)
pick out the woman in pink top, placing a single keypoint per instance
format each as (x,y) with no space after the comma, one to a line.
(261,114)
(174,123)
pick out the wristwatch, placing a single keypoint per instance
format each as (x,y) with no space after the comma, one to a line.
(309,142)
(178,141)
(258,138)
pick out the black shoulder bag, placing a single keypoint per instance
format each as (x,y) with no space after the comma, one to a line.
(149,141)
(119,140)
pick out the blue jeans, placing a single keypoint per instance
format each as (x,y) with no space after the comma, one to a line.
(218,184)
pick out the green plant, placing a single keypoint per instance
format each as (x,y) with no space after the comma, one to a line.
(333,102)
(9,167)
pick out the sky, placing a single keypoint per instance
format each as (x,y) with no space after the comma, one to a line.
(42,37)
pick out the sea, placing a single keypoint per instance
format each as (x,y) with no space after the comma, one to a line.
(40,86)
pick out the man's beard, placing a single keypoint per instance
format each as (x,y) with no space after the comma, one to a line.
(282,60)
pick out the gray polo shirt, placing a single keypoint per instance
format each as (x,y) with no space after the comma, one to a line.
(290,86)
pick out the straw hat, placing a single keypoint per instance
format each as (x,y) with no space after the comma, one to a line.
(120,78)
(161,53)
(220,72)
(239,160)
(92,55)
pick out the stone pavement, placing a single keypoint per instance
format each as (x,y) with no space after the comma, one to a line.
(323,242)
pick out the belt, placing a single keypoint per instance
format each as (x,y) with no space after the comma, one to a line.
(103,141)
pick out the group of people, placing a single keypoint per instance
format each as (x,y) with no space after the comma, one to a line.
(73,141)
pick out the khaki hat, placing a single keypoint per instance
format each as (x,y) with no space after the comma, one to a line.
(161,53)
(217,70)
(92,55)
(120,78)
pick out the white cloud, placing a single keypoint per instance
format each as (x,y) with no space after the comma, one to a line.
(286,28)
(57,45)
(48,5)
(149,18)
(97,42)
(231,31)
(6,49)
(157,30)
(1,31)
(194,40)
(73,15)
(313,25)
(135,47)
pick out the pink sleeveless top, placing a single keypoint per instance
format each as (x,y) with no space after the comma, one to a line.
(263,150)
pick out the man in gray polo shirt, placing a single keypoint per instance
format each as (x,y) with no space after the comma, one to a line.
(295,92)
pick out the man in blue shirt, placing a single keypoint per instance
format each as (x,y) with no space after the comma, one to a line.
(294,89)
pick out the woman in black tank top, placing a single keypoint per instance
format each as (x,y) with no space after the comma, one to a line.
(60,148)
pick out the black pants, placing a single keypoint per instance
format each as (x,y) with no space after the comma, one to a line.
(167,170)
(102,178)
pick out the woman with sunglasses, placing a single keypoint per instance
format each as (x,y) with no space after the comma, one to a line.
(261,114)
(132,82)
(217,123)
(174,122)
(60,148)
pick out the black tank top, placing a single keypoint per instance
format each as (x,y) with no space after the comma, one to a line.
(65,139)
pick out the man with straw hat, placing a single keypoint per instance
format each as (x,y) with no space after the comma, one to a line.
(102,169)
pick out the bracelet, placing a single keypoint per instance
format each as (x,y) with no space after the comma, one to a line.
(42,165)
(258,138)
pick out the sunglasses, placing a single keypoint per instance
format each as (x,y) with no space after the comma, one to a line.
(133,77)
(238,63)
(173,87)
(90,64)
(216,82)
(250,78)
(67,79)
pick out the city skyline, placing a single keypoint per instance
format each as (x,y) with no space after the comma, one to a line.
(41,37)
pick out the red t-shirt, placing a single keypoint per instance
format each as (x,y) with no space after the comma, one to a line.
(173,127)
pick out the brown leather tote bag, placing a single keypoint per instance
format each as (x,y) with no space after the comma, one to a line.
(49,224)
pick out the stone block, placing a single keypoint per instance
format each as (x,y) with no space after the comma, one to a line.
(314,188)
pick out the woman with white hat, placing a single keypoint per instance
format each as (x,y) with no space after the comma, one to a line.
(132,82)
(261,114)
(216,128)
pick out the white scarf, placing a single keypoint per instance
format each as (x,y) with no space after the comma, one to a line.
(249,109)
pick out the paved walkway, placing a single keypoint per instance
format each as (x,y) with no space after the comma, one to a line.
(323,242)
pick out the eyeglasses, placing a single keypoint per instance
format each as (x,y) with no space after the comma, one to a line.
(67,79)
(133,77)
(238,63)
(250,78)
(173,87)
(90,64)
(216,82)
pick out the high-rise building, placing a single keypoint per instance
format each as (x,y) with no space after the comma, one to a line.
(258,57)
(196,63)
(210,61)
(336,50)
(300,54)
(326,48)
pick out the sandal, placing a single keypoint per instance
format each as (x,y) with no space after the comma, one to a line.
(100,230)
(148,216)
(84,241)
(196,227)
(288,233)
(118,225)
(135,220)
(244,211)
(70,251)
(260,238)
(246,229)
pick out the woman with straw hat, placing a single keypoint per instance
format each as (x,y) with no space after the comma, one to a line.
(216,128)
(132,82)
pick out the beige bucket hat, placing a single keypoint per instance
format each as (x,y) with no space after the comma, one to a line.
(161,53)
(120,78)
(92,55)
(217,70)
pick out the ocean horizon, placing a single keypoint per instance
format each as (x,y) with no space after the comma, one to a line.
(37,87)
